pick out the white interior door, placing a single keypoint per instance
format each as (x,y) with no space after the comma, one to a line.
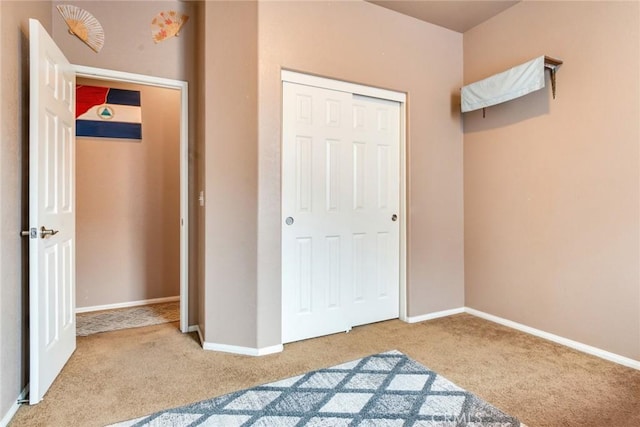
(51,211)
(340,201)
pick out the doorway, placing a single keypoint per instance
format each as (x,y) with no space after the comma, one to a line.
(148,224)
(52,190)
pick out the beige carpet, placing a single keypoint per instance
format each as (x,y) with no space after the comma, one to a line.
(124,374)
(123,318)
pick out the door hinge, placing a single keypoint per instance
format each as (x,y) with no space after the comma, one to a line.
(32,233)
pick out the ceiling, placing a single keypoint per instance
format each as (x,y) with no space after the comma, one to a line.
(457,15)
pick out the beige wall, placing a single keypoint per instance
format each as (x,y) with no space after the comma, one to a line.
(14,93)
(552,186)
(128,206)
(364,43)
(197,242)
(129,47)
(343,40)
(230,66)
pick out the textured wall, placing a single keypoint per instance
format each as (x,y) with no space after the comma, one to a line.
(343,40)
(128,45)
(14,123)
(231,172)
(367,44)
(552,186)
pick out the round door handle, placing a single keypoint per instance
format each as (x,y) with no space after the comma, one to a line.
(289,220)
(394,217)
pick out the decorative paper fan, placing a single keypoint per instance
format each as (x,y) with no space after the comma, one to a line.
(167,24)
(83,25)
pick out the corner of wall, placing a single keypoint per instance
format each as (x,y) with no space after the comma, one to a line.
(230,173)
(552,210)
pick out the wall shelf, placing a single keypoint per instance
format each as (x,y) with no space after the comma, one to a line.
(552,65)
(513,83)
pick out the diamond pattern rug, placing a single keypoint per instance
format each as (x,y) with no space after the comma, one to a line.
(383,390)
(124,318)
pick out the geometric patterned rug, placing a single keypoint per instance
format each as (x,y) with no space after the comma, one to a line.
(124,318)
(383,390)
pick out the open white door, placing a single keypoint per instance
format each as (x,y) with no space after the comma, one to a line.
(51,211)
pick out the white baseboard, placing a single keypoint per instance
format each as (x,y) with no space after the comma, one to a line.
(437,314)
(247,351)
(594,351)
(14,408)
(127,304)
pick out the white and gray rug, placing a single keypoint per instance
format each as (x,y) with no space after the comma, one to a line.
(383,390)
(125,318)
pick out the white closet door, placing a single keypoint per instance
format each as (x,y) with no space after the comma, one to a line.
(340,190)
(375,230)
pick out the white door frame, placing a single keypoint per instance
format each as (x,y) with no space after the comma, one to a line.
(182,86)
(400,97)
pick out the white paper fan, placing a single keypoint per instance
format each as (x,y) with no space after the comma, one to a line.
(167,24)
(83,25)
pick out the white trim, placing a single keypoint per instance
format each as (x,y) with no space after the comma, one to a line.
(183,87)
(342,86)
(247,351)
(434,315)
(14,408)
(403,212)
(184,208)
(594,351)
(126,304)
(584,348)
(125,77)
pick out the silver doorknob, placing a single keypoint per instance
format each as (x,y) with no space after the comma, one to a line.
(289,220)
(394,217)
(31,233)
(45,232)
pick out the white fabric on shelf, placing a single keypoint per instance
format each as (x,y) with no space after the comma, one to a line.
(513,83)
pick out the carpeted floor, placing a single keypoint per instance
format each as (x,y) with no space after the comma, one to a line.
(126,374)
(382,390)
(123,318)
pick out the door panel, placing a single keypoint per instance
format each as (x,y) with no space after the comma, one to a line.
(52,206)
(313,245)
(376,192)
(340,187)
